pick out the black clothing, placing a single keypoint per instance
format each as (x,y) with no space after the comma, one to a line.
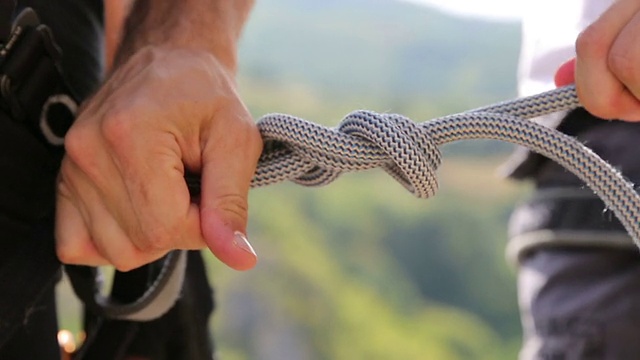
(28,265)
(577,266)
(29,268)
(78,27)
(562,204)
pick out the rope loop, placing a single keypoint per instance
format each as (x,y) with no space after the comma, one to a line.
(412,158)
(313,155)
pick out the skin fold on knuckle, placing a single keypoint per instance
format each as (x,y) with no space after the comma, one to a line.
(623,63)
(235,205)
(117,130)
(67,253)
(591,44)
(153,239)
(79,143)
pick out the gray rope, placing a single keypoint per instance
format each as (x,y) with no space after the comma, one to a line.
(314,155)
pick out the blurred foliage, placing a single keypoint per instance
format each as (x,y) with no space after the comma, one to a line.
(360,269)
(322,59)
(382,49)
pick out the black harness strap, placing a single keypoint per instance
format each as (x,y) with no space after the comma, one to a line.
(36,109)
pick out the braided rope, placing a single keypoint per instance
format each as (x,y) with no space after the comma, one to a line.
(314,155)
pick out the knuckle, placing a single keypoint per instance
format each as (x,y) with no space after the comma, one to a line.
(125,265)
(235,205)
(67,254)
(620,62)
(157,239)
(591,43)
(117,128)
(78,144)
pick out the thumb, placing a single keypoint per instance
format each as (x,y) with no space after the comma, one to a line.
(566,73)
(228,165)
(230,246)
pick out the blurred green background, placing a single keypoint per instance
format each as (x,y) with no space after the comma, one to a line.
(360,269)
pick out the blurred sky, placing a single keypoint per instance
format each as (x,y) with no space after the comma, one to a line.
(488,9)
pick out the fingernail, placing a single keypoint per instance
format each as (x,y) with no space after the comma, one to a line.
(240,240)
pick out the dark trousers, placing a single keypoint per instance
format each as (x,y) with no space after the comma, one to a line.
(28,265)
(36,337)
(578,270)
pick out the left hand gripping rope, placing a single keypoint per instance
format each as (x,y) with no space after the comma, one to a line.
(314,155)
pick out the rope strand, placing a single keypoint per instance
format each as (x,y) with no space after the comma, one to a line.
(314,155)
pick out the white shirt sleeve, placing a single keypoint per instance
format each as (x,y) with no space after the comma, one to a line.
(549,32)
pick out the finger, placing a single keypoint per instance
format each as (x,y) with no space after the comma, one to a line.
(566,73)
(229,246)
(159,198)
(166,217)
(114,244)
(599,89)
(229,161)
(73,242)
(88,232)
(624,56)
(83,188)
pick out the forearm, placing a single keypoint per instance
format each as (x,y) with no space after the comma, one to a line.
(209,25)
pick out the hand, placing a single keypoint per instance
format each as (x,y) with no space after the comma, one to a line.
(122,198)
(607,67)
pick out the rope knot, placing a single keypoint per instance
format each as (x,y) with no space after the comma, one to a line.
(412,158)
(313,155)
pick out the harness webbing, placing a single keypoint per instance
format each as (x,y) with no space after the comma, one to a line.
(312,155)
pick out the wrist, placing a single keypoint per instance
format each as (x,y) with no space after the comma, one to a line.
(168,59)
(212,26)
